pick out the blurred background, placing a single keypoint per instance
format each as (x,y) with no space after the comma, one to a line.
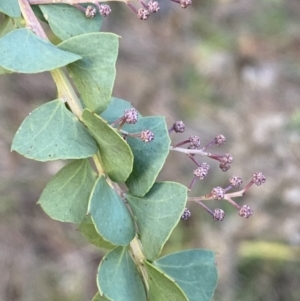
(221,66)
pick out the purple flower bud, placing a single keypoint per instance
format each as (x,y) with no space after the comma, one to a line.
(147,136)
(131,116)
(219,215)
(185,3)
(143,14)
(218,193)
(179,126)
(104,10)
(194,142)
(235,181)
(245,211)
(153,6)
(90,11)
(219,140)
(258,178)
(186,214)
(201,171)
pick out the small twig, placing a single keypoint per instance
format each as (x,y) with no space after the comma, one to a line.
(209,196)
(190,151)
(30,19)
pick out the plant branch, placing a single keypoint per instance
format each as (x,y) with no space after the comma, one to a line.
(209,197)
(67,93)
(31,20)
(139,259)
(190,151)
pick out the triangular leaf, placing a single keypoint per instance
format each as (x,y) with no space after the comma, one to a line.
(88,230)
(66,21)
(115,153)
(162,287)
(110,215)
(194,271)
(149,158)
(118,278)
(116,109)
(157,213)
(10,8)
(52,132)
(24,52)
(95,74)
(66,196)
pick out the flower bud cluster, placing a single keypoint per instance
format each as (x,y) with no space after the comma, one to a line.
(219,193)
(131,117)
(142,13)
(90,11)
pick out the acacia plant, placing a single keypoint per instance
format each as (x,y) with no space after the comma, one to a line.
(109,143)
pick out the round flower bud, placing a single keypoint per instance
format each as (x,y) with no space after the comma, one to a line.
(219,214)
(235,181)
(104,10)
(185,3)
(153,6)
(143,14)
(224,166)
(245,211)
(258,178)
(194,142)
(179,126)
(219,140)
(90,11)
(201,171)
(131,116)
(227,158)
(147,136)
(186,214)
(218,193)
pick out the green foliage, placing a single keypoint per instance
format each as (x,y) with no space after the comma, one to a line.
(198,266)
(52,132)
(66,196)
(114,151)
(157,214)
(118,278)
(162,287)
(110,215)
(148,158)
(61,20)
(88,230)
(23,52)
(95,73)
(133,225)
(10,8)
